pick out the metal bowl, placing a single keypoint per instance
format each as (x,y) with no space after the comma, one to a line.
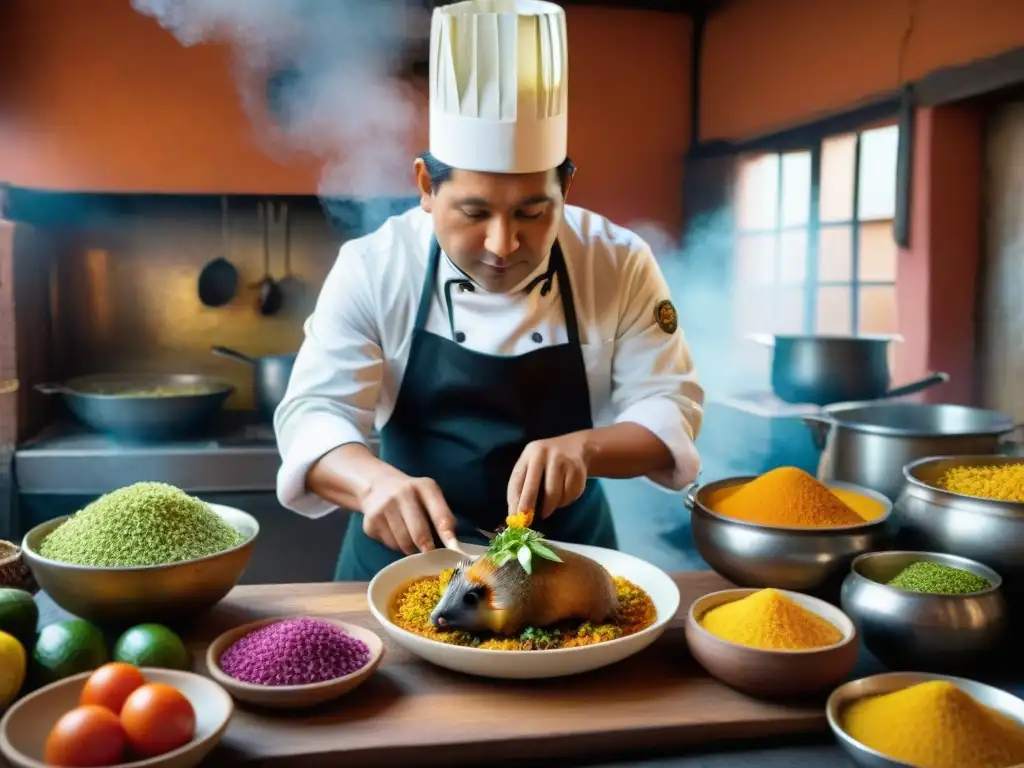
(986,530)
(785,557)
(124,596)
(920,631)
(876,685)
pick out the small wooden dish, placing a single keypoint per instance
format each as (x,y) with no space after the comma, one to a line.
(292,696)
(772,674)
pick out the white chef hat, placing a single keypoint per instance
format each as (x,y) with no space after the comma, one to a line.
(499,85)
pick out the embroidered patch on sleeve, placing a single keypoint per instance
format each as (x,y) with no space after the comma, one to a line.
(665,316)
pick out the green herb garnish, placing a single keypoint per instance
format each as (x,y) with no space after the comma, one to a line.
(522,544)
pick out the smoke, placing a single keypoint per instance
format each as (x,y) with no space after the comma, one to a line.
(317,76)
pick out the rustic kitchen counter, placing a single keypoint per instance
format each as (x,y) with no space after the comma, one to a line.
(655,709)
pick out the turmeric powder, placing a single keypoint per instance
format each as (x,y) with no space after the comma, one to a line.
(786,496)
(1003,482)
(935,725)
(769,620)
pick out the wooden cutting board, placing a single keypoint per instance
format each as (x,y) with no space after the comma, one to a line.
(413,713)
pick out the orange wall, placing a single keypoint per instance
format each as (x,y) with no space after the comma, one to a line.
(768,64)
(94,96)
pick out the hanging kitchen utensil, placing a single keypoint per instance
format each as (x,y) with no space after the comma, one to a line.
(291,287)
(269,302)
(218,280)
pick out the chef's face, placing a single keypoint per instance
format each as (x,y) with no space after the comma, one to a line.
(496,227)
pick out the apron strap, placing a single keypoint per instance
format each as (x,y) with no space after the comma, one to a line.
(557,264)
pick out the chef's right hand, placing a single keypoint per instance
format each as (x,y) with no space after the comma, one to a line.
(398,511)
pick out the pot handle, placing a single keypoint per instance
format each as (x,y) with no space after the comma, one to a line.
(1011,446)
(225,352)
(917,386)
(819,426)
(51,389)
(690,495)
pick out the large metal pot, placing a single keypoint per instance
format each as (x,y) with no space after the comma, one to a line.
(869,445)
(143,407)
(270,377)
(986,530)
(822,370)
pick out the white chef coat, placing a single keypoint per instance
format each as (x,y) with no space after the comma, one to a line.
(350,367)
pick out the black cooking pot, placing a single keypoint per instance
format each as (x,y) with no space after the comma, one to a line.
(822,370)
(270,377)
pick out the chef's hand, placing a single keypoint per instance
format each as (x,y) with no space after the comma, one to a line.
(398,511)
(558,465)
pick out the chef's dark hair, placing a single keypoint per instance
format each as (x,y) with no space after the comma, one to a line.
(441,172)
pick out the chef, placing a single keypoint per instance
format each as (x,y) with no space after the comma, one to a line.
(510,348)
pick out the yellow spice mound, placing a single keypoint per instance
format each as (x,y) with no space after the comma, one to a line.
(770,620)
(787,496)
(935,725)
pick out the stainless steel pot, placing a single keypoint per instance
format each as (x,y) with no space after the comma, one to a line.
(986,530)
(822,370)
(869,445)
(270,377)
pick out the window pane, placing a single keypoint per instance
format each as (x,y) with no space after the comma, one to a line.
(878,173)
(837,161)
(876,308)
(789,310)
(835,254)
(877,253)
(755,262)
(752,310)
(835,310)
(796,188)
(793,266)
(758,192)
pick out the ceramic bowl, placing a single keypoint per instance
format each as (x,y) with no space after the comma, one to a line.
(292,696)
(916,631)
(876,685)
(770,673)
(556,662)
(126,596)
(23,730)
(784,557)
(14,574)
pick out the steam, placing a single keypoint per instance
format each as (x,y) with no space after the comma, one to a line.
(330,67)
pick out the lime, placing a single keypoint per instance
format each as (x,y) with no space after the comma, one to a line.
(12,668)
(152,645)
(66,648)
(19,615)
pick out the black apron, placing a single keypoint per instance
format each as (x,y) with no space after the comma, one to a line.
(464,417)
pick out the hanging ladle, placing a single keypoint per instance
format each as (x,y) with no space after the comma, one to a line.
(218,281)
(291,287)
(270,292)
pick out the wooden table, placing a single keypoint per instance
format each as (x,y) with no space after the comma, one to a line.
(413,713)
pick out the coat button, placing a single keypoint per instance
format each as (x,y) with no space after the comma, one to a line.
(460,336)
(537,337)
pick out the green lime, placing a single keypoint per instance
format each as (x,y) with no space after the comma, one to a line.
(19,615)
(152,645)
(66,648)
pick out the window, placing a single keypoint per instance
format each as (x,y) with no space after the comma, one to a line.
(815,251)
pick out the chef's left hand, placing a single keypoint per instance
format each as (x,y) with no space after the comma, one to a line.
(557,464)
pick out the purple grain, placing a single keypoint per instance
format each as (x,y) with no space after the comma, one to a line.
(294,652)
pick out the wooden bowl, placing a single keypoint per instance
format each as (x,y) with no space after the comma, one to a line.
(292,696)
(773,674)
(23,730)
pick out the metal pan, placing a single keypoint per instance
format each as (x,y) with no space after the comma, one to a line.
(143,407)
(270,377)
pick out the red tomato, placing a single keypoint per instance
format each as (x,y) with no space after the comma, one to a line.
(110,685)
(86,737)
(157,718)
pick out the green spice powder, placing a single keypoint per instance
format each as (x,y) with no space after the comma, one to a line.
(937,579)
(142,524)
